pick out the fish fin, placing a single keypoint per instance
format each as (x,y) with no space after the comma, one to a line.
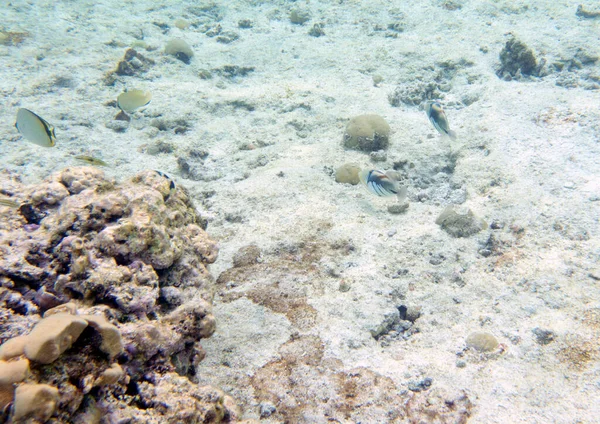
(402,194)
(363,176)
(452,135)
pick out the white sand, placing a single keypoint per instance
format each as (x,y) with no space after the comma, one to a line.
(538,142)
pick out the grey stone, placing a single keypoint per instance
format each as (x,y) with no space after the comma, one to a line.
(542,336)
(398,208)
(460,225)
(266,409)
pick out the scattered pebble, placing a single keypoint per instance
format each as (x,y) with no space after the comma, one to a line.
(266,409)
(418,386)
(378,156)
(233,71)
(227,37)
(583,13)
(132,64)
(344,286)
(317,30)
(299,16)
(409,313)
(245,23)
(247,255)
(542,336)
(398,208)
(460,225)
(117,126)
(437,259)
(482,342)
(180,49)
(182,23)
(497,225)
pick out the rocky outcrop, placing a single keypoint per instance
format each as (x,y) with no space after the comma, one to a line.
(118,273)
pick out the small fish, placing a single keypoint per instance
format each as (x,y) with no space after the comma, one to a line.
(437,116)
(9,203)
(91,160)
(171,182)
(35,129)
(132,100)
(381,183)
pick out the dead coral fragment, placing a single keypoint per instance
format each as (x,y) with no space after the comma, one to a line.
(65,308)
(13,347)
(482,342)
(460,225)
(583,13)
(133,63)
(516,59)
(35,402)
(52,336)
(111,336)
(180,49)
(178,400)
(11,372)
(110,376)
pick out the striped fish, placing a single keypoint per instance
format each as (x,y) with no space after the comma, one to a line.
(382,184)
(437,116)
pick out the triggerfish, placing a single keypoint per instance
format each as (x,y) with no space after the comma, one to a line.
(437,116)
(382,183)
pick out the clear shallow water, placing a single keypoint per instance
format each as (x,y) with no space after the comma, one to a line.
(253,128)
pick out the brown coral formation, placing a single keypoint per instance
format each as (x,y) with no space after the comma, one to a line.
(118,272)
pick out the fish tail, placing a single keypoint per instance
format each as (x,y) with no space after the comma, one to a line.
(452,135)
(401,194)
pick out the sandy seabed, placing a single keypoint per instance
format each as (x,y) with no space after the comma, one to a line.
(252,127)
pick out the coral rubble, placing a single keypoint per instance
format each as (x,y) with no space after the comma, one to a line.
(104,298)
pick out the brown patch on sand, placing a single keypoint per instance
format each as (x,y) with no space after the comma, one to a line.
(304,386)
(578,352)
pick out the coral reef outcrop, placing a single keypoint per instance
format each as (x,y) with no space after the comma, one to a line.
(104,298)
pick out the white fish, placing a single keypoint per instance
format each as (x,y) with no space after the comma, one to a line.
(437,116)
(382,184)
(132,100)
(35,129)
